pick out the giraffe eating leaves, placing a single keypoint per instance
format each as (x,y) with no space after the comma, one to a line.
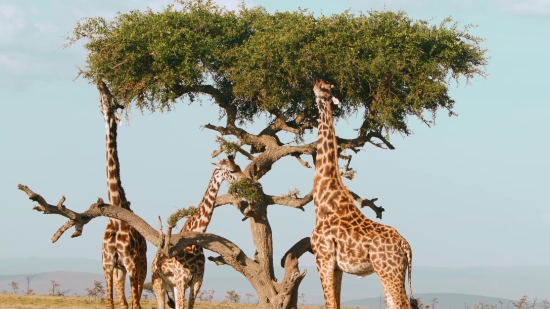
(124,249)
(343,239)
(187,268)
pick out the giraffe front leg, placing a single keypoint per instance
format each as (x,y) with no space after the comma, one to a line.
(119,283)
(193,292)
(137,278)
(159,290)
(179,293)
(108,273)
(326,268)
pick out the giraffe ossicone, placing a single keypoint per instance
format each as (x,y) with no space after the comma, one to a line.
(343,239)
(187,268)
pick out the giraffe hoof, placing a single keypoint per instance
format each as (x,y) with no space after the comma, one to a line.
(171,303)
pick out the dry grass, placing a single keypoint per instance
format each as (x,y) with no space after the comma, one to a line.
(10,301)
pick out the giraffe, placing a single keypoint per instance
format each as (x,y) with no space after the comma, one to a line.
(124,249)
(343,239)
(187,268)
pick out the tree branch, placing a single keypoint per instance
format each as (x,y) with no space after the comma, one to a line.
(296,251)
(288,288)
(366,202)
(75,218)
(304,163)
(290,200)
(216,94)
(245,153)
(230,252)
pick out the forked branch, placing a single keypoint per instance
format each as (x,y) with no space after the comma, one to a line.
(296,251)
(370,203)
(167,245)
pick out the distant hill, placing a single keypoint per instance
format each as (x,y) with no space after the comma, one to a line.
(497,282)
(36,265)
(444,301)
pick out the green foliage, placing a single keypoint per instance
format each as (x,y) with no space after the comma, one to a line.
(180,214)
(385,62)
(229,147)
(245,189)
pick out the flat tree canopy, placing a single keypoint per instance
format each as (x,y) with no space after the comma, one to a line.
(258,62)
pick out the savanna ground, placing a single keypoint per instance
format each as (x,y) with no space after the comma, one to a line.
(10,301)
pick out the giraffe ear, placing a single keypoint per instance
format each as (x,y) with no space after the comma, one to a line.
(335,101)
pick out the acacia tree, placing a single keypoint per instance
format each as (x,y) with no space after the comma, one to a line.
(385,65)
(29,290)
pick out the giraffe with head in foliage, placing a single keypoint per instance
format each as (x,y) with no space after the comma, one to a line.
(124,249)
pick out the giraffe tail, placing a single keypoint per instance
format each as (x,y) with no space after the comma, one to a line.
(408,250)
(170,302)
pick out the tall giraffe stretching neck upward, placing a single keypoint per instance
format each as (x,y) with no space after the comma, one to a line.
(124,249)
(344,240)
(187,268)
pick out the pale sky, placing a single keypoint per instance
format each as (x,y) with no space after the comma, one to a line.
(468,192)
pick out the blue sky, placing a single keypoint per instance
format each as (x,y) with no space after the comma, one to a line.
(470,191)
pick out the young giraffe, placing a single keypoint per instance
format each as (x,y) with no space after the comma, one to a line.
(124,249)
(187,269)
(344,240)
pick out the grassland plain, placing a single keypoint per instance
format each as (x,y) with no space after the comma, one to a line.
(11,301)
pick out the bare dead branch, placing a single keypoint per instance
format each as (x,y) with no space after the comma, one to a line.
(348,157)
(75,218)
(370,203)
(231,253)
(65,227)
(296,251)
(161,234)
(217,152)
(167,238)
(245,153)
(226,199)
(95,210)
(304,163)
(291,201)
(244,137)
(217,260)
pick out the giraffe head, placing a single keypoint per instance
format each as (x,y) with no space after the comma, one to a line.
(323,91)
(108,105)
(228,170)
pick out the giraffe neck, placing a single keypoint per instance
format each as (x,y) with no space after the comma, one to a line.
(326,162)
(117,197)
(199,222)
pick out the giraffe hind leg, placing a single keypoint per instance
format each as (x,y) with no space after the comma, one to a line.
(170,301)
(414,303)
(393,280)
(119,283)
